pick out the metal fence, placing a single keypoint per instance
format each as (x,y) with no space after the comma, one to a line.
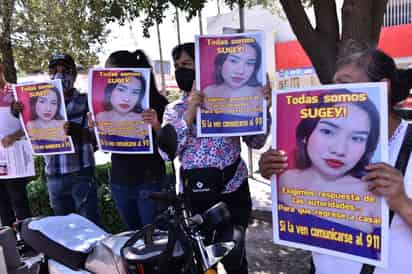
(398,12)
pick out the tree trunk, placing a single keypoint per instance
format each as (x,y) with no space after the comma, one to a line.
(361,21)
(7,58)
(162,73)
(200,22)
(241,16)
(178,26)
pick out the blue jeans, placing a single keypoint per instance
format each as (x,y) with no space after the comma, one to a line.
(136,209)
(74,193)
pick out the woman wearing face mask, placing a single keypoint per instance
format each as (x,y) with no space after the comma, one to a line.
(372,65)
(134,176)
(214,161)
(46,119)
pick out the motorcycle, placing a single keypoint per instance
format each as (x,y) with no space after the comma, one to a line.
(15,256)
(188,230)
(178,242)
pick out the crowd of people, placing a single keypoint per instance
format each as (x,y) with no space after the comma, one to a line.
(71,178)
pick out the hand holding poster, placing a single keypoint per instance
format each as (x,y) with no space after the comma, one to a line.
(44,117)
(230,71)
(320,202)
(117,99)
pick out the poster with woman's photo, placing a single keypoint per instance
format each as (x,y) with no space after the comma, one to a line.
(44,116)
(117,98)
(230,71)
(321,202)
(16,160)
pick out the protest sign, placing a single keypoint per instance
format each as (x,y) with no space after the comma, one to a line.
(320,203)
(230,71)
(117,99)
(44,116)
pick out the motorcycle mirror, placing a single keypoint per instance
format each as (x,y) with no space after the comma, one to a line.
(168,140)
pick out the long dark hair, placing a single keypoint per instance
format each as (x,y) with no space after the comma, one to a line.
(110,87)
(221,58)
(138,59)
(307,126)
(33,102)
(189,48)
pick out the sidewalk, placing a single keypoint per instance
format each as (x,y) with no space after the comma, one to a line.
(260,188)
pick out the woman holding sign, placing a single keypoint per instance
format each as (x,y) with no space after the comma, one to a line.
(134,176)
(372,65)
(14,204)
(212,167)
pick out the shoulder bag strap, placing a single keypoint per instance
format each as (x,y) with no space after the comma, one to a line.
(401,164)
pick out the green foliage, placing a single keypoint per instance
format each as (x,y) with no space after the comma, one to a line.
(43,27)
(39,167)
(153,11)
(39,198)
(272,5)
(40,206)
(110,217)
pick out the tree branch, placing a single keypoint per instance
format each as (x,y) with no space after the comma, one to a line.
(356,20)
(362,20)
(320,44)
(298,19)
(326,18)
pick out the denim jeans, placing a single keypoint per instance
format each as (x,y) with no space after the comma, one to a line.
(74,193)
(135,207)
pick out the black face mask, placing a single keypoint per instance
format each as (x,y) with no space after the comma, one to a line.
(185,78)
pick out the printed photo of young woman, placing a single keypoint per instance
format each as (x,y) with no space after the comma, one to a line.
(331,135)
(118,98)
(232,83)
(44,117)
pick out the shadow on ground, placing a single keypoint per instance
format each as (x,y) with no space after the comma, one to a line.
(265,257)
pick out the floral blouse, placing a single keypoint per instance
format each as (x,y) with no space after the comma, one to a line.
(218,152)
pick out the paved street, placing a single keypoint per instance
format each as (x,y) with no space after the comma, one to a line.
(264,257)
